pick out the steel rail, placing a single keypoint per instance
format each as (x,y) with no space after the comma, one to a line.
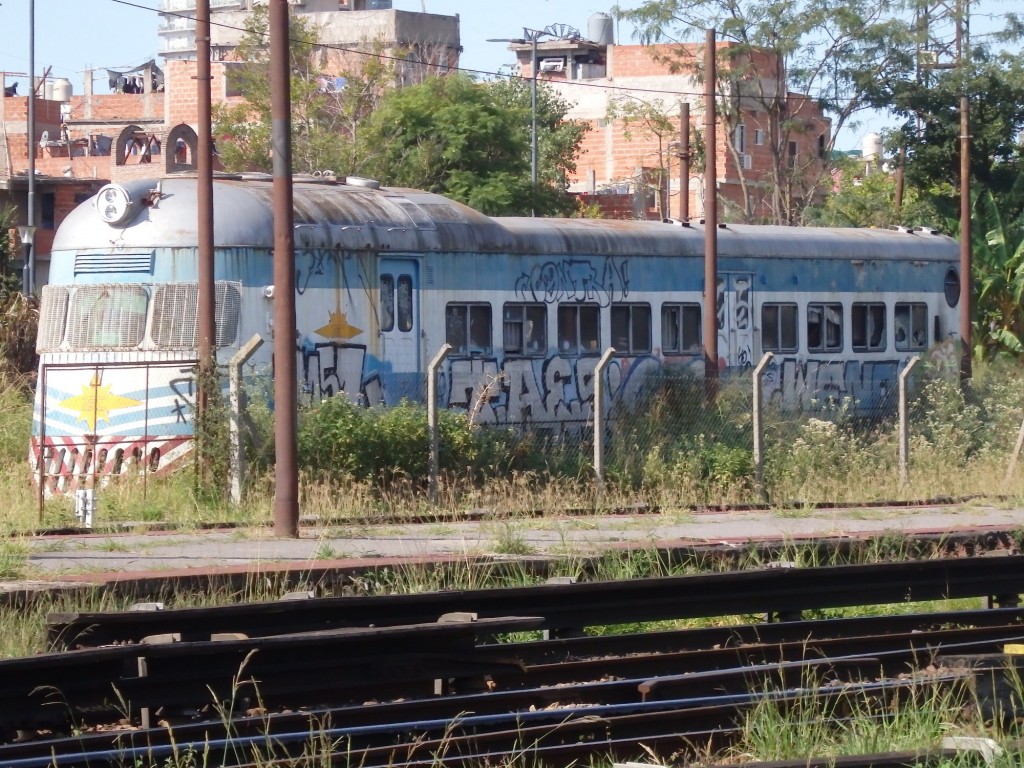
(572,607)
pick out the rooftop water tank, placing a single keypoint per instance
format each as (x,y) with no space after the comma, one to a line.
(62,89)
(600,29)
(872,147)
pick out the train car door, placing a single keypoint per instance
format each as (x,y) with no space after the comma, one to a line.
(736,320)
(400,324)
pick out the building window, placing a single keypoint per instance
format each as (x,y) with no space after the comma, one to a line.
(821,147)
(791,159)
(824,327)
(579,328)
(468,328)
(631,328)
(911,324)
(867,327)
(739,140)
(48,210)
(525,329)
(778,328)
(680,329)
(758,137)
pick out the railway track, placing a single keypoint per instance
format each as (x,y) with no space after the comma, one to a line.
(449,689)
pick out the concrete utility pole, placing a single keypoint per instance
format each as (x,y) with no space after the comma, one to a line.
(710,324)
(286,498)
(962,57)
(27,272)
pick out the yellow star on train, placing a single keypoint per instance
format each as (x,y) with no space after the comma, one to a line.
(96,402)
(338,327)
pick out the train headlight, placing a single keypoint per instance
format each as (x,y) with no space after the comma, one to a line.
(113,203)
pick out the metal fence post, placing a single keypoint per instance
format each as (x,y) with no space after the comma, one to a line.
(435,458)
(904,428)
(246,351)
(759,427)
(599,369)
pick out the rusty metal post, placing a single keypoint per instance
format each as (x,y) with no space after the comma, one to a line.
(758,425)
(204,196)
(599,370)
(904,421)
(684,161)
(435,449)
(286,499)
(710,222)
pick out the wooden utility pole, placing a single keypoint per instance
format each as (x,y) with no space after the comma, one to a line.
(286,476)
(710,324)
(684,161)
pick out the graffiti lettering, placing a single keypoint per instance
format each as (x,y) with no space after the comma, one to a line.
(575,280)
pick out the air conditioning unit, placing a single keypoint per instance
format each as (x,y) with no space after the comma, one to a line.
(552,65)
(747,162)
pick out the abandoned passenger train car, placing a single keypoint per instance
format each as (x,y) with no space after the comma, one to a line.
(385,277)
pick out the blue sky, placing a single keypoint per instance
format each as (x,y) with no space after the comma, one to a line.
(73,35)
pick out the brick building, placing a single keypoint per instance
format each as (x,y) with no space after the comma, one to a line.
(770,142)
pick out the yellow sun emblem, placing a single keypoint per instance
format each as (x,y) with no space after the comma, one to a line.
(338,327)
(96,402)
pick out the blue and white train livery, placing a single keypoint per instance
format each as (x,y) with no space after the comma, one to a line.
(385,277)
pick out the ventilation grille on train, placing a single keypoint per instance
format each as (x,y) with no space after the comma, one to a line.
(175,314)
(91,263)
(53,314)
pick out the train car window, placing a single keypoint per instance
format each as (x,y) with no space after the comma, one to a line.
(631,328)
(53,317)
(525,329)
(910,322)
(778,328)
(405,304)
(387,303)
(579,328)
(107,316)
(227,310)
(824,327)
(680,329)
(468,328)
(951,287)
(867,327)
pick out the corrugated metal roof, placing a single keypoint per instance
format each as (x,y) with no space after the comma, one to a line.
(390,219)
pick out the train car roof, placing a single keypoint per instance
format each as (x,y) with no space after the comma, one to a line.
(360,215)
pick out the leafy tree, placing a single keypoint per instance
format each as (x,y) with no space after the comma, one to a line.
(931,134)
(325,117)
(862,199)
(997,265)
(471,141)
(828,50)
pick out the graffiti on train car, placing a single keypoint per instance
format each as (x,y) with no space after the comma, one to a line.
(575,280)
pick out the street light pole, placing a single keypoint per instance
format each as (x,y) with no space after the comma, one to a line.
(27,233)
(529,36)
(534,34)
(28,271)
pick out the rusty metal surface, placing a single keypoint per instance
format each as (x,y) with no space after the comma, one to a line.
(350,217)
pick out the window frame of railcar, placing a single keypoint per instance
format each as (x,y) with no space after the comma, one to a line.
(867,326)
(674,322)
(528,320)
(913,310)
(630,321)
(570,316)
(387,301)
(107,316)
(787,313)
(829,329)
(469,314)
